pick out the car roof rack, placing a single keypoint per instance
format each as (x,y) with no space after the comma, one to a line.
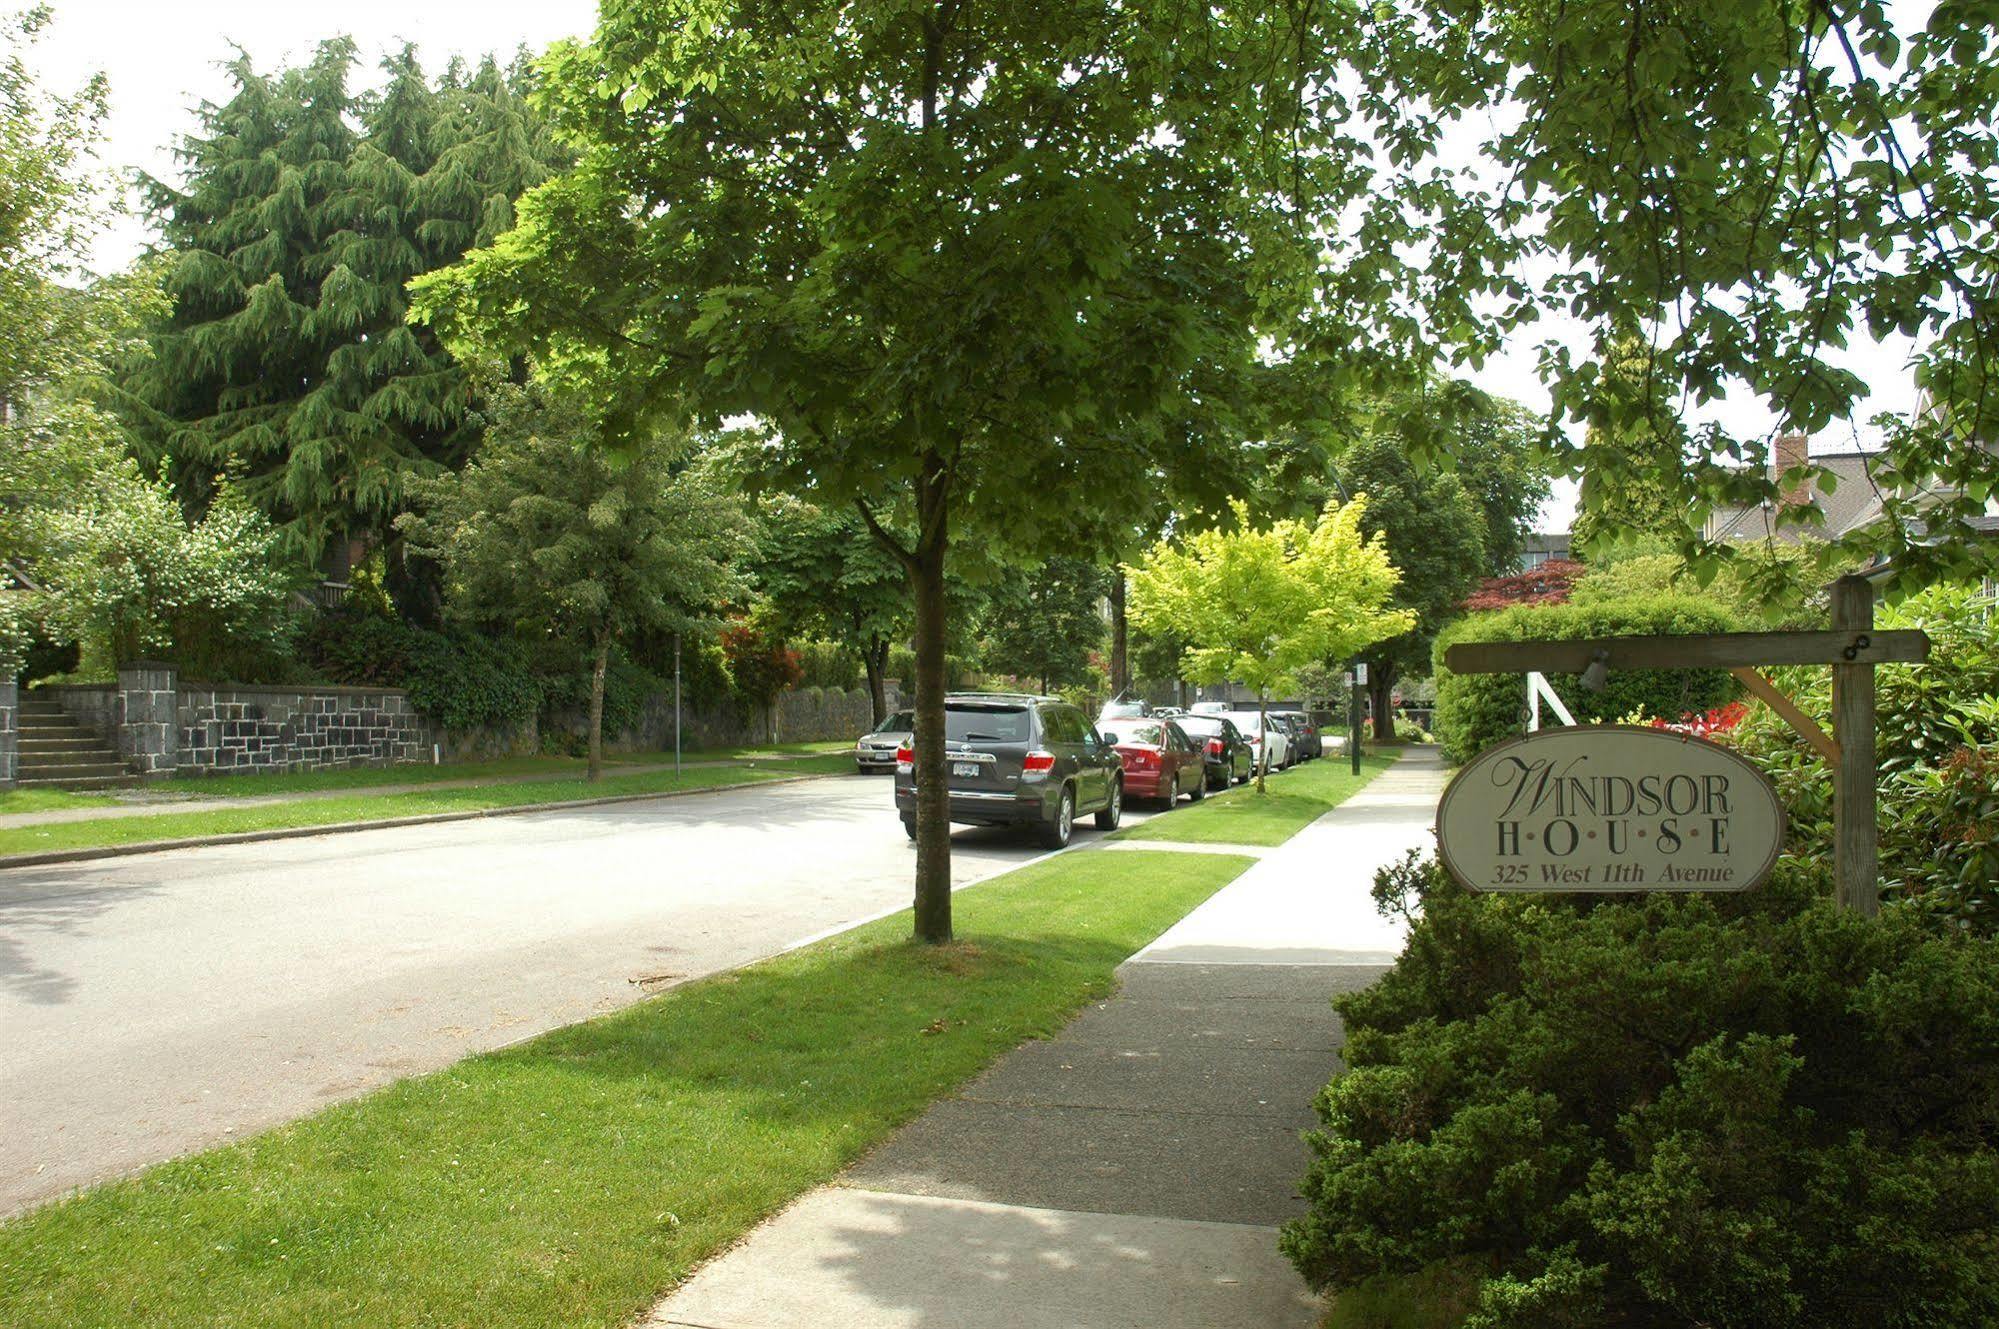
(997,696)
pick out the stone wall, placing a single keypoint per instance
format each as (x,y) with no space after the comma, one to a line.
(163,727)
(10,734)
(145,732)
(806,715)
(226,728)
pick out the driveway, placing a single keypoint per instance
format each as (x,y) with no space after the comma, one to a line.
(161,1003)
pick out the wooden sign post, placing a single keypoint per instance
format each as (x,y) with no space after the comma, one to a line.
(1852,647)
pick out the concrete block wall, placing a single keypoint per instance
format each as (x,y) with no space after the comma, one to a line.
(230,729)
(10,734)
(145,733)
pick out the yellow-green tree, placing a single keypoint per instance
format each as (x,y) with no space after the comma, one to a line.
(1256,604)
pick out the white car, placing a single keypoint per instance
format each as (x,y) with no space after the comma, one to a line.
(876,749)
(1274,738)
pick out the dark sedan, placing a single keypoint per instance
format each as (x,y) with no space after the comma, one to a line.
(1305,739)
(1226,754)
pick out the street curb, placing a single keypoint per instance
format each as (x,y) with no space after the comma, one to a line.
(55,856)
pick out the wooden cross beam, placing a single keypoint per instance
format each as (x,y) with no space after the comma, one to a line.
(1713,650)
(1852,647)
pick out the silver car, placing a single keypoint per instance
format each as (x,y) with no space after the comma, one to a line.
(875,751)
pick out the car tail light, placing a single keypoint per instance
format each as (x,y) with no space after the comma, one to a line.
(1035,765)
(1215,748)
(1143,758)
(905,759)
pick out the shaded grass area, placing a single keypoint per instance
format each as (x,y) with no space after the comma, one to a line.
(1296,798)
(1437,1297)
(374,807)
(575,1179)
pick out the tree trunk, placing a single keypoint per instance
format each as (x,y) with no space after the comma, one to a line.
(1263,727)
(874,658)
(933,807)
(596,771)
(1381,688)
(1120,658)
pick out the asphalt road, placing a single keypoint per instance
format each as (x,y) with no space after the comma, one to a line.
(161,1003)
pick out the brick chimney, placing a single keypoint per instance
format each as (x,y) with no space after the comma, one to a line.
(1793,449)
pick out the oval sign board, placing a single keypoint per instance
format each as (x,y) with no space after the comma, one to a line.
(1609,808)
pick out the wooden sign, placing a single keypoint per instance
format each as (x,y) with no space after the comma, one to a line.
(1609,808)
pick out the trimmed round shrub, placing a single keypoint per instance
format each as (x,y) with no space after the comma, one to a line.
(1474,711)
(1679,1110)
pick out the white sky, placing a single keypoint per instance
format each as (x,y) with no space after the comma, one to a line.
(163,59)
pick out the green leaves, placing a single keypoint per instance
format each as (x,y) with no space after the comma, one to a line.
(1254,605)
(285,360)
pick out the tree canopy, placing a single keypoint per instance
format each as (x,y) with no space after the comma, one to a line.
(1255,605)
(1014,267)
(1738,191)
(286,359)
(549,534)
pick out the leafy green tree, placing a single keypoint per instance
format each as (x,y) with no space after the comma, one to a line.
(1257,605)
(1740,190)
(127,576)
(822,571)
(558,538)
(1433,531)
(1019,269)
(287,359)
(1045,621)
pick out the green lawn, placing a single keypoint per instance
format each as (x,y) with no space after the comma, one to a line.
(375,807)
(264,785)
(575,1179)
(1296,798)
(49,800)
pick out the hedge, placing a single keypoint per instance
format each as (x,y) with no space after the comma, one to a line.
(1741,1112)
(1474,711)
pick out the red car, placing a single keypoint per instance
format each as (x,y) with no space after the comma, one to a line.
(1160,761)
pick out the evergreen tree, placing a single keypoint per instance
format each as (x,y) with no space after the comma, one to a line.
(287,361)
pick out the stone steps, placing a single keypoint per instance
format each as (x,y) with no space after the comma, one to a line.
(56,752)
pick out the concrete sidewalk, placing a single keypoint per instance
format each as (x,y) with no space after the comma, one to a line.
(1131,1172)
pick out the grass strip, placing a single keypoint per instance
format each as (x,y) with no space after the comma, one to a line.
(377,807)
(1297,798)
(50,800)
(574,1180)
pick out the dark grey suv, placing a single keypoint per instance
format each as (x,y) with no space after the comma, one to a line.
(1019,760)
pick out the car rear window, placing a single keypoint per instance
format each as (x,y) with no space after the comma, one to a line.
(1195,724)
(1003,724)
(1143,732)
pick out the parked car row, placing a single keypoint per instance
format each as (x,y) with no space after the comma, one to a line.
(1017,759)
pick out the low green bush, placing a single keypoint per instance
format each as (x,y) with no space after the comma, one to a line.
(828,664)
(1474,711)
(463,681)
(1725,1111)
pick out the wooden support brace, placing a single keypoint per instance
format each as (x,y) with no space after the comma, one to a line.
(1806,728)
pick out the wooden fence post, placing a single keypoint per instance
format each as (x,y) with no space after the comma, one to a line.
(1856,836)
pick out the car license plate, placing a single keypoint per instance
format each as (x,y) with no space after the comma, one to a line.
(964,768)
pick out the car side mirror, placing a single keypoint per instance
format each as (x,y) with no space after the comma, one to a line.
(1110,740)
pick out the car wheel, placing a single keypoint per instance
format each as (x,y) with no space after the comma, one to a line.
(1055,834)
(909,827)
(1113,811)
(1200,789)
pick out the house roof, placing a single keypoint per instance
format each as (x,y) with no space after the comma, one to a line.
(1853,503)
